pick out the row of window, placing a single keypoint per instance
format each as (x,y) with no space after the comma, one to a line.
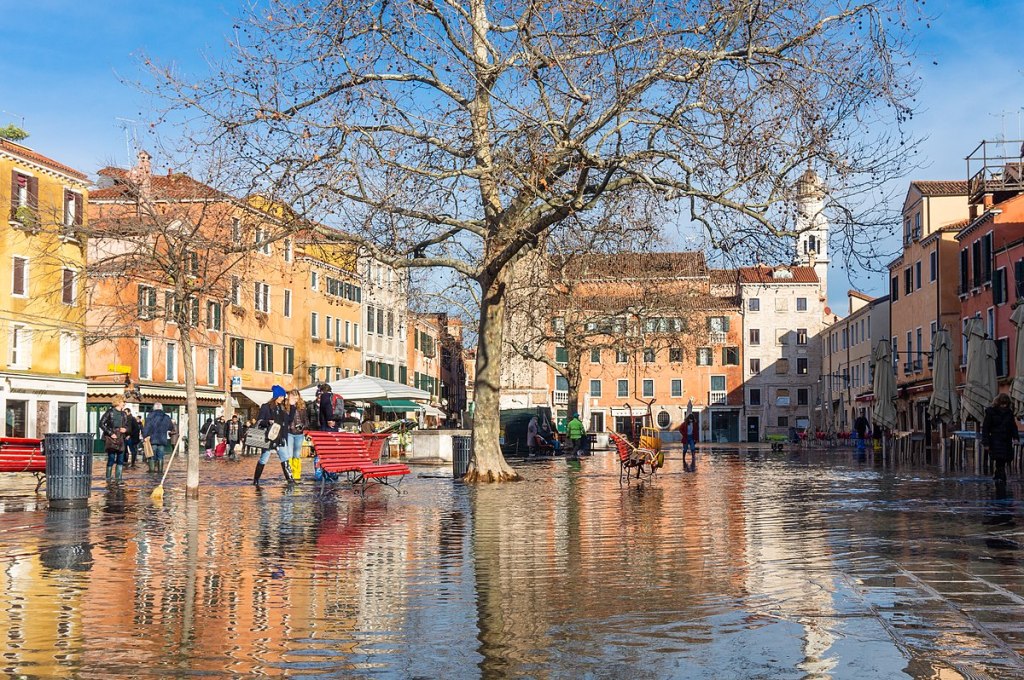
(781,304)
(912,277)
(976,264)
(782,336)
(263,357)
(782,396)
(848,336)
(19,349)
(705,356)
(622,386)
(146,358)
(378,321)
(781,366)
(339,331)
(147,308)
(20,281)
(25,196)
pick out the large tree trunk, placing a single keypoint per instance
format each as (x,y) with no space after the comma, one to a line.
(487,463)
(573,379)
(192,413)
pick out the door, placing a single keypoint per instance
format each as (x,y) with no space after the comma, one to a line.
(753,428)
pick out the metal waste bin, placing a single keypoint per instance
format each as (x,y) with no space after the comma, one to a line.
(461,449)
(68,469)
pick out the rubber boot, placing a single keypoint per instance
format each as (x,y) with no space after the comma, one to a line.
(110,472)
(258,474)
(149,465)
(287,472)
(160,465)
(118,472)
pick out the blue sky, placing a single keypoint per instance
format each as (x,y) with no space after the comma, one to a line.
(64,61)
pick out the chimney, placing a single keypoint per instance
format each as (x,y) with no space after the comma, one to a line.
(141,175)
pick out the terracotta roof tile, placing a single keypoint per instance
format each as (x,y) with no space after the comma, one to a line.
(171,186)
(36,157)
(768,275)
(859,295)
(941,187)
(724,276)
(639,265)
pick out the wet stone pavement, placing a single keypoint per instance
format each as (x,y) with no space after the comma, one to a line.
(751,564)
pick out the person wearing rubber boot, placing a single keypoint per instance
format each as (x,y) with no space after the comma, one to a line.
(272,413)
(576,433)
(113,425)
(157,430)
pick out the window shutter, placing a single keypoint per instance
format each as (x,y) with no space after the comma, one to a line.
(725,324)
(79,200)
(14,193)
(18,287)
(33,192)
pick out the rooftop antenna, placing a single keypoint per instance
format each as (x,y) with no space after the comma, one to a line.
(20,117)
(131,135)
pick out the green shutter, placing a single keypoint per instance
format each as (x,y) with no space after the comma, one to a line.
(561,355)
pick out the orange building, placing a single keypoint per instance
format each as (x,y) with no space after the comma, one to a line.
(657,339)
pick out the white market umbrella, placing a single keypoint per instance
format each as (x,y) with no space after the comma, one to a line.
(980,388)
(943,404)
(884,387)
(1017,386)
(363,387)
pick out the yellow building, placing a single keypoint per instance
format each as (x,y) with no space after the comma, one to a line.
(42,385)
(327,335)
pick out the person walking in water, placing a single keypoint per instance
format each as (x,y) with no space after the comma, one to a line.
(157,430)
(688,431)
(999,432)
(576,433)
(860,426)
(114,426)
(274,413)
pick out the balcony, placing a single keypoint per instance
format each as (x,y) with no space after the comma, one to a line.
(560,397)
(717,398)
(717,337)
(994,167)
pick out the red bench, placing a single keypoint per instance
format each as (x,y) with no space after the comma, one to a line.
(346,452)
(375,444)
(21,454)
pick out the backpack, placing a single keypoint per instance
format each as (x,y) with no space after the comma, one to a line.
(338,407)
(313,414)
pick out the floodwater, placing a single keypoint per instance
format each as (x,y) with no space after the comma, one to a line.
(749,565)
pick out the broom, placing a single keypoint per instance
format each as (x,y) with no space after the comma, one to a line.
(158,492)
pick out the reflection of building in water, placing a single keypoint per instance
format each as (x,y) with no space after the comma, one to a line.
(380,577)
(40,597)
(791,565)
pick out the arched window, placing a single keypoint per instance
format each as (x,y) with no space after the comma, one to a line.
(664,420)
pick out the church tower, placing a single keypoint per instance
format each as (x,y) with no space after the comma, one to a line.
(812,227)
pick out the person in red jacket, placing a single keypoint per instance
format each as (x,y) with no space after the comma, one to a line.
(690,432)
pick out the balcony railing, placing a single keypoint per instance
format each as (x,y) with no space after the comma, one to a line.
(717,337)
(716,397)
(560,397)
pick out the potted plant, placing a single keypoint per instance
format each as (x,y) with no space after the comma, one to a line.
(26,216)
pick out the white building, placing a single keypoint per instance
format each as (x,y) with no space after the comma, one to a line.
(784,311)
(385,305)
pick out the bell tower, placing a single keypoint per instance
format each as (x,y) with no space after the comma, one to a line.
(812,227)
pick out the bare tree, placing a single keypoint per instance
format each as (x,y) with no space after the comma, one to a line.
(167,257)
(456,134)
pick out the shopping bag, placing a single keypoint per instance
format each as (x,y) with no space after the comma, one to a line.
(295,464)
(147,449)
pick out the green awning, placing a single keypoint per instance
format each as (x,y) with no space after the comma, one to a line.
(397,405)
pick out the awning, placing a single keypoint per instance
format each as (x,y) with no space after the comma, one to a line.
(258,397)
(435,412)
(634,412)
(149,392)
(397,405)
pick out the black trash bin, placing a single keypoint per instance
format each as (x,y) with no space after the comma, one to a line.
(68,469)
(461,448)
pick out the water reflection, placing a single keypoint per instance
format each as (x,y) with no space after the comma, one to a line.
(739,564)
